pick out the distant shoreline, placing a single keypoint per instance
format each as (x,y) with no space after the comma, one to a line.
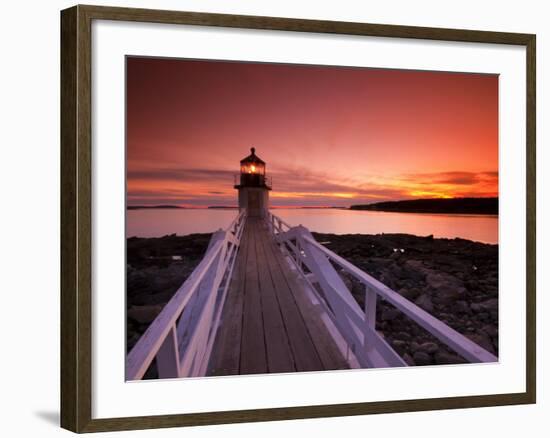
(478,206)
(465,206)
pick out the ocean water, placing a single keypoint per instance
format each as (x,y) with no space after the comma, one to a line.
(160,222)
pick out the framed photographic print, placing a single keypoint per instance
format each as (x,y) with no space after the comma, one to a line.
(268,218)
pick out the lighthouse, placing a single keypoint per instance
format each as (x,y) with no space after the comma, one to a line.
(253,186)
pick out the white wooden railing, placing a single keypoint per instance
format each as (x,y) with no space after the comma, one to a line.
(316,263)
(182,335)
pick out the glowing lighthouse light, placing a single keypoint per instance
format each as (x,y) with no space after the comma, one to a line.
(253,186)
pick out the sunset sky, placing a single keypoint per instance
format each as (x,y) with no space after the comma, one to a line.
(330,136)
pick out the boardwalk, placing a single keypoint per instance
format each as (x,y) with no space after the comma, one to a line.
(269,324)
(246,309)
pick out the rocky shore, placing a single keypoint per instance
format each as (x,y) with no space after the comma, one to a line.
(456,280)
(155,268)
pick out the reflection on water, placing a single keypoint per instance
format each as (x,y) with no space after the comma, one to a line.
(159,222)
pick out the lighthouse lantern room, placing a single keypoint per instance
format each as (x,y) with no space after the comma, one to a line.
(253,186)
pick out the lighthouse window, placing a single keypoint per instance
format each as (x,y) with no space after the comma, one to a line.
(253,169)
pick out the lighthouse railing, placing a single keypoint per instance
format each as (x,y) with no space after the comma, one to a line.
(318,265)
(181,337)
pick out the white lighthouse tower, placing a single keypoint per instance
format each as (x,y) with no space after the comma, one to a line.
(253,186)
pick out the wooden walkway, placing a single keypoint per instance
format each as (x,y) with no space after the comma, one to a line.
(269,324)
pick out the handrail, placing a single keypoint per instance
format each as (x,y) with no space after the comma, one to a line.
(182,335)
(306,251)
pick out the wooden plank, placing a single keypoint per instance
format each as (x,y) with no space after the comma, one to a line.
(227,346)
(253,351)
(303,349)
(328,351)
(279,354)
(326,348)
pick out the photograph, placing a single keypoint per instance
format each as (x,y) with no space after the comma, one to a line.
(289,218)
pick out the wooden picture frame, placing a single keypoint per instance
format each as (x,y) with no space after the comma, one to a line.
(76,217)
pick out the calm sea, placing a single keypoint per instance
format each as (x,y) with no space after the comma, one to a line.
(159,222)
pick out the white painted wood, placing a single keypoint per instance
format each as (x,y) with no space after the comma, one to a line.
(205,292)
(168,356)
(190,315)
(370,306)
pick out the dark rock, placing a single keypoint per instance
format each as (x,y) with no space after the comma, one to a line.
(448,296)
(462,307)
(447,288)
(403,336)
(491,330)
(414,346)
(476,308)
(421,358)
(410,294)
(398,272)
(428,347)
(389,314)
(489,305)
(408,359)
(399,346)
(441,281)
(144,314)
(416,266)
(483,316)
(425,302)
(482,340)
(444,358)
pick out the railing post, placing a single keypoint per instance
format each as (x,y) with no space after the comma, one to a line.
(370,307)
(168,363)
(298,252)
